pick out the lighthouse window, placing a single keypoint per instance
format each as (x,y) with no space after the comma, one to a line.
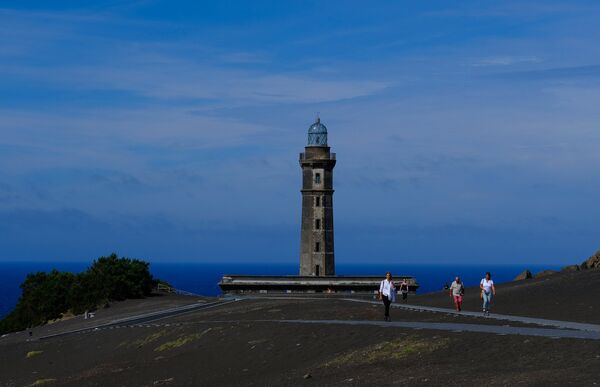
(318,201)
(317,178)
(317,247)
(318,224)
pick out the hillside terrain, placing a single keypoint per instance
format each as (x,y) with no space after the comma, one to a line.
(275,342)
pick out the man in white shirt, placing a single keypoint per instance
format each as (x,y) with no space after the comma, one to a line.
(488,290)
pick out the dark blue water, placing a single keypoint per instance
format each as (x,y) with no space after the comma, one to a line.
(202,278)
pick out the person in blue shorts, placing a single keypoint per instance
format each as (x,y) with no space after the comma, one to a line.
(488,291)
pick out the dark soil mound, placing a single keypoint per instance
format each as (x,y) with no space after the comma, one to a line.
(545,273)
(524,275)
(571,296)
(571,268)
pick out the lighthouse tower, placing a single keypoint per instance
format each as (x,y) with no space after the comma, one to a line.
(316,239)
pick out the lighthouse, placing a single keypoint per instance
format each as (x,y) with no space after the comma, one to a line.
(317,261)
(316,236)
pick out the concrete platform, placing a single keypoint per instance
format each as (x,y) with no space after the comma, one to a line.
(330,285)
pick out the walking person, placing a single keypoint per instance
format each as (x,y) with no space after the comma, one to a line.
(404,290)
(488,291)
(387,293)
(457,290)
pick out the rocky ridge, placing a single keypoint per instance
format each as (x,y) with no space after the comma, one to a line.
(592,262)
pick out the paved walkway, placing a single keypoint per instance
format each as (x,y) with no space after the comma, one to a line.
(143,318)
(504,317)
(454,327)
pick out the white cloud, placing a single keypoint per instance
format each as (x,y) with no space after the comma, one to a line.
(505,60)
(156,68)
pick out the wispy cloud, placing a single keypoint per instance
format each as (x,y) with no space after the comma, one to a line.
(171,69)
(188,81)
(556,73)
(505,61)
(244,57)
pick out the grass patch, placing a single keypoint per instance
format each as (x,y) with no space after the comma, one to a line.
(149,339)
(39,382)
(144,341)
(31,354)
(181,341)
(389,350)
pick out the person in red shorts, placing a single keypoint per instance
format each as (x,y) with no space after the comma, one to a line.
(457,290)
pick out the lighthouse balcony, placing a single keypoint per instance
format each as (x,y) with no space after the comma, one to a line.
(304,156)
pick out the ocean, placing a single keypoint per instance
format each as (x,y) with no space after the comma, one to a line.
(202,278)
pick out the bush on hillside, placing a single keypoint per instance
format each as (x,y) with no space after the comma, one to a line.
(47,296)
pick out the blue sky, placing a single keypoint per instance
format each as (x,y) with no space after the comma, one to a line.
(465,131)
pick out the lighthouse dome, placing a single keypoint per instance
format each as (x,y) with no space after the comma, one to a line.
(317,134)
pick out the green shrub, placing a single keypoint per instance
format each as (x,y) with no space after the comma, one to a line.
(46,296)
